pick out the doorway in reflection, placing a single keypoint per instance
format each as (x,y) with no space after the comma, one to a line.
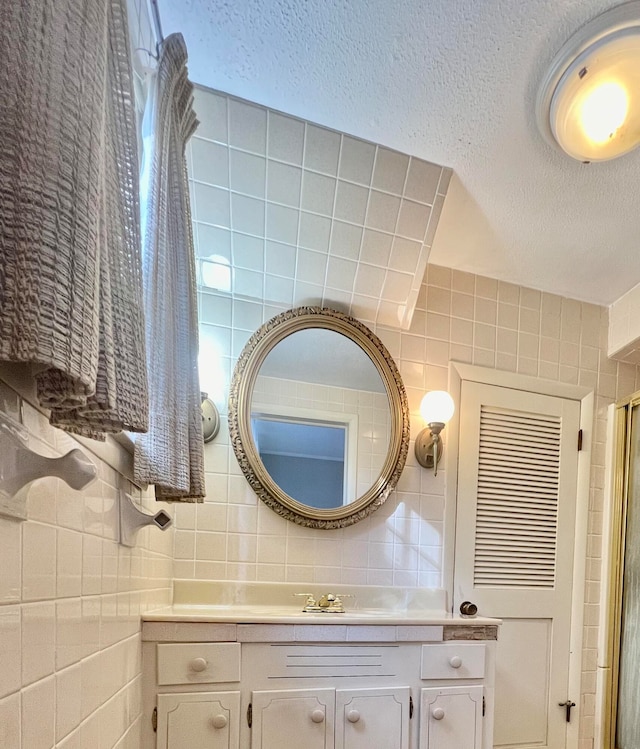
(308,459)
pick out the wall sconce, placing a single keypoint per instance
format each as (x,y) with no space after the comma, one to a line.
(588,102)
(210,418)
(436,409)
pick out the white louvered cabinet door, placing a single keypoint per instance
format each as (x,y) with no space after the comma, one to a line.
(515,528)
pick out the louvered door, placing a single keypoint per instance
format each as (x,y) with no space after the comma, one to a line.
(517,479)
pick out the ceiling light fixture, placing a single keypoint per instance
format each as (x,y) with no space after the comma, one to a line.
(589,102)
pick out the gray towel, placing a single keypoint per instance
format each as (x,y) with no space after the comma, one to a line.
(70,268)
(171,454)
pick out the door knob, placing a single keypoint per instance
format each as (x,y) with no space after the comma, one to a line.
(468,609)
(353,716)
(317,716)
(219,721)
(438,713)
(455,661)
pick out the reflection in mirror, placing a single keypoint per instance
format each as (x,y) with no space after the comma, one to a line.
(308,459)
(318,417)
(321,390)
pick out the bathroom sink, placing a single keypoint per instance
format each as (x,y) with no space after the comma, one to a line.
(282,603)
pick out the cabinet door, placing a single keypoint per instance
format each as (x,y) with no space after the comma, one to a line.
(293,717)
(451,718)
(199,720)
(367,718)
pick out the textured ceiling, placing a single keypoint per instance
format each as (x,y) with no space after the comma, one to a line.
(452,82)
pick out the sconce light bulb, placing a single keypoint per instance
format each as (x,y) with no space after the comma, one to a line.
(437,406)
(436,409)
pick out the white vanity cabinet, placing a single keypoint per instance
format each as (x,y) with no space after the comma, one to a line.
(451,717)
(270,686)
(331,719)
(304,715)
(198,719)
(209,718)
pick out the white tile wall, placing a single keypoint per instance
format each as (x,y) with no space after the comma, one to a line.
(459,317)
(70,605)
(624,327)
(354,221)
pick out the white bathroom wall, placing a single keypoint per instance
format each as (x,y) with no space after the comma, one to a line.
(286,210)
(460,317)
(70,605)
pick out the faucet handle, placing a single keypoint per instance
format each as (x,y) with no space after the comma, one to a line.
(311,601)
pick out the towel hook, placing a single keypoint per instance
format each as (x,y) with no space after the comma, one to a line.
(132,519)
(19,466)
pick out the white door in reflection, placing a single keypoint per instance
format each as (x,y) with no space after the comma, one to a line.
(307,458)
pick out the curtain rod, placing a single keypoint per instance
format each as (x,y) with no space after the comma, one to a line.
(155,14)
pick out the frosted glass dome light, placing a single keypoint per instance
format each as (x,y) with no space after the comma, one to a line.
(589,102)
(437,407)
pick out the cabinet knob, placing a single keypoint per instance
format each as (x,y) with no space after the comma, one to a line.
(455,661)
(353,716)
(219,721)
(198,664)
(438,713)
(317,716)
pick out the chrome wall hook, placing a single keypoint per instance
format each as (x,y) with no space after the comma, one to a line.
(132,519)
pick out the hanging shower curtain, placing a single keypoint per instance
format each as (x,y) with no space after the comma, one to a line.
(70,269)
(171,454)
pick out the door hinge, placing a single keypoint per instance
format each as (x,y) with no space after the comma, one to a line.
(484,707)
(250,715)
(154,720)
(410,707)
(579,440)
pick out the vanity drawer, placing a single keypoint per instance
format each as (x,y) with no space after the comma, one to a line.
(453,661)
(198,663)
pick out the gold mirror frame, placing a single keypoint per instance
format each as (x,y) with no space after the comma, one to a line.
(243,382)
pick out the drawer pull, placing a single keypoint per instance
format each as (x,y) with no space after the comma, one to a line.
(353,716)
(219,721)
(197,664)
(455,661)
(317,716)
(438,713)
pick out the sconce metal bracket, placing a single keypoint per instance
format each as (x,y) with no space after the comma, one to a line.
(428,446)
(210,419)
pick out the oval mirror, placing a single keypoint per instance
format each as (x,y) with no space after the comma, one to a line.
(318,417)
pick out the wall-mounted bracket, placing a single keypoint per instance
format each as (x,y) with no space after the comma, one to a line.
(132,519)
(19,466)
